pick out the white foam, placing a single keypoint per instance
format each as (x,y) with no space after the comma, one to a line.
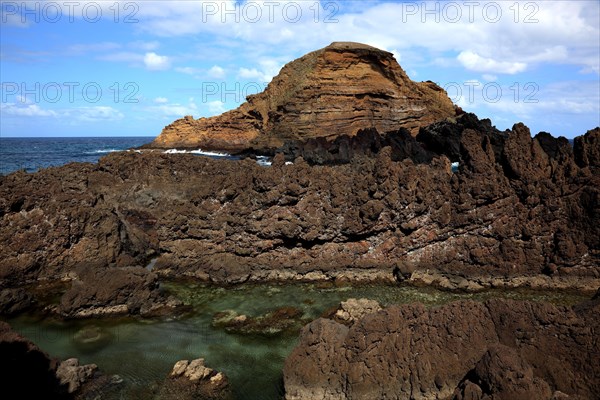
(263,160)
(104,151)
(198,152)
(209,153)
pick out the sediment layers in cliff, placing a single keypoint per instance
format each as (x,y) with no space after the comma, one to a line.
(335,91)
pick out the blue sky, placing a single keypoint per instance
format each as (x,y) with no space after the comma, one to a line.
(128,68)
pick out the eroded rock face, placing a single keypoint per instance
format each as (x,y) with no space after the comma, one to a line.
(511,215)
(500,349)
(338,90)
(111,291)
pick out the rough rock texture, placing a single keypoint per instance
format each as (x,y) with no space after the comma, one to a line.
(512,215)
(500,349)
(366,143)
(352,310)
(110,291)
(587,149)
(337,90)
(14,301)
(73,375)
(194,380)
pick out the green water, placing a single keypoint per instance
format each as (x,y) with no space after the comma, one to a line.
(143,352)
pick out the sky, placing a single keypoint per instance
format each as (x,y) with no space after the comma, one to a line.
(129,68)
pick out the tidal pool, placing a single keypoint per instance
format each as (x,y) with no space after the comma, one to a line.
(142,352)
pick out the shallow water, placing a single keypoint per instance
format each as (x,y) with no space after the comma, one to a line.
(143,352)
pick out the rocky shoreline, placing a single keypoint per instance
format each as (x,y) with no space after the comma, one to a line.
(396,185)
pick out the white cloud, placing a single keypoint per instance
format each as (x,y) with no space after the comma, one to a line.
(155,62)
(83,114)
(216,72)
(216,107)
(29,110)
(268,69)
(474,62)
(173,110)
(95,114)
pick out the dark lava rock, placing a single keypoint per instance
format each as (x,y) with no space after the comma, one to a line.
(510,212)
(500,349)
(366,143)
(111,291)
(587,149)
(14,301)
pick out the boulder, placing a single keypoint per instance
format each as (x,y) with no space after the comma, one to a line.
(194,380)
(499,349)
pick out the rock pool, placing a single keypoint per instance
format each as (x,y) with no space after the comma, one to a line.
(142,352)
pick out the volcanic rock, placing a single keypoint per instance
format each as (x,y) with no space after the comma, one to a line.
(194,380)
(500,349)
(338,90)
(111,291)
(511,215)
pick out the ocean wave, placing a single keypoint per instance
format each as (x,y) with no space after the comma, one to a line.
(197,152)
(103,151)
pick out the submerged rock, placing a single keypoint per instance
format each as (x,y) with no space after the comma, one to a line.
(282,320)
(194,380)
(500,349)
(74,375)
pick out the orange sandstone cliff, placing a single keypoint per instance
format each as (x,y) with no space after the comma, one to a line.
(337,90)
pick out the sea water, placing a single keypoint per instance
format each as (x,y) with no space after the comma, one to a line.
(143,352)
(31,154)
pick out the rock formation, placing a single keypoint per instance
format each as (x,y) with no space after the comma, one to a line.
(511,215)
(194,380)
(335,91)
(500,349)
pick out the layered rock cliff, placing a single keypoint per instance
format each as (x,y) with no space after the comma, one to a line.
(335,91)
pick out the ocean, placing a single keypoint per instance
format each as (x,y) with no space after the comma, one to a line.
(31,154)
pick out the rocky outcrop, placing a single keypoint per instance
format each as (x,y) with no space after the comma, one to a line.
(14,301)
(500,349)
(113,291)
(511,215)
(194,380)
(587,153)
(353,310)
(338,90)
(73,375)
